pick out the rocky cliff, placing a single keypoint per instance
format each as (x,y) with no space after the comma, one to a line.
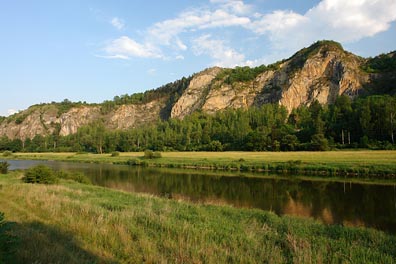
(46,120)
(320,72)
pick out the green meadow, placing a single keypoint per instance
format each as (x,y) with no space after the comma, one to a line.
(354,164)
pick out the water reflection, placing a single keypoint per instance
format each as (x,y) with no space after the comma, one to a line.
(332,202)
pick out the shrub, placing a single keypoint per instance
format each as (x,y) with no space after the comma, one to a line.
(157,155)
(133,162)
(115,154)
(319,143)
(149,154)
(7,241)
(40,174)
(75,176)
(4,167)
(7,153)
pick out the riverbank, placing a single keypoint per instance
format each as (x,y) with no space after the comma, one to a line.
(77,223)
(363,164)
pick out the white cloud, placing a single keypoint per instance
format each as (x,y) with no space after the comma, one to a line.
(352,20)
(117,23)
(117,56)
(277,21)
(125,47)
(11,111)
(224,56)
(343,21)
(152,71)
(234,6)
(167,32)
(286,30)
(180,45)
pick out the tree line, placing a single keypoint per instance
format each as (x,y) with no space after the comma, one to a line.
(362,123)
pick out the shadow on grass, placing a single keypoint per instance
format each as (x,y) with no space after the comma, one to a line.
(38,243)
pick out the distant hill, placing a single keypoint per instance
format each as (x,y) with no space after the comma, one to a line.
(321,72)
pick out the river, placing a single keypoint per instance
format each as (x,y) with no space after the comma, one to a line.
(345,203)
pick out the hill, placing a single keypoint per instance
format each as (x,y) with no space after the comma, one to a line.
(321,72)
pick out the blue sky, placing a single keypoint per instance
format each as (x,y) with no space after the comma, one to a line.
(94,50)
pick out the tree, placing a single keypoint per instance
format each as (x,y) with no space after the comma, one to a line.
(319,142)
(289,143)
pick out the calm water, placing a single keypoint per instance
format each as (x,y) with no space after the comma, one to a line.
(331,202)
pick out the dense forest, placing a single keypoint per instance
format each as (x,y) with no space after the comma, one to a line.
(366,122)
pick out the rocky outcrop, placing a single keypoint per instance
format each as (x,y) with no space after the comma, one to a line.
(195,94)
(321,72)
(75,118)
(129,116)
(327,74)
(44,120)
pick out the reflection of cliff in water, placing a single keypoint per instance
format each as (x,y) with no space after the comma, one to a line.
(331,202)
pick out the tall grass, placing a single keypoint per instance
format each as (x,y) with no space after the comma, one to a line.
(77,223)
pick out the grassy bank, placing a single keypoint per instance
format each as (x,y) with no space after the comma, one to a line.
(358,164)
(76,223)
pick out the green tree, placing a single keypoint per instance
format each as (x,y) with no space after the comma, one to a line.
(319,142)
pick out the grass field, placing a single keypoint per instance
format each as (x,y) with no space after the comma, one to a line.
(76,223)
(363,163)
(364,157)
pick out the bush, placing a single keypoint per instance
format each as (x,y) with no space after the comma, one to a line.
(7,153)
(75,176)
(7,241)
(115,154)
(319,143)
(133,162)
(157,155)
(149,154)
(40,174)
(4,167)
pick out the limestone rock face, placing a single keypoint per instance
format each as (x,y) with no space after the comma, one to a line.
(44,120)
(321,72)
(77,117)
(129,116)
(195,94)
(36,121)
(324,76)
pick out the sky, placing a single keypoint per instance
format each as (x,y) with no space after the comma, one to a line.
(93,50)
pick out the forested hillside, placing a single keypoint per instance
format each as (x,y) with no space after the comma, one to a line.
(365,123)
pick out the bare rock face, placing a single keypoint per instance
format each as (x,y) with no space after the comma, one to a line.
(324,76)
(129,116)
(77,117)
(31,122)
(195,94)
(321,72)
(44,120)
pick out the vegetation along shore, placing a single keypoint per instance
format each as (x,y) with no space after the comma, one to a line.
(364,164)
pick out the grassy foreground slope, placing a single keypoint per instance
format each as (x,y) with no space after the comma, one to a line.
(76,223)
